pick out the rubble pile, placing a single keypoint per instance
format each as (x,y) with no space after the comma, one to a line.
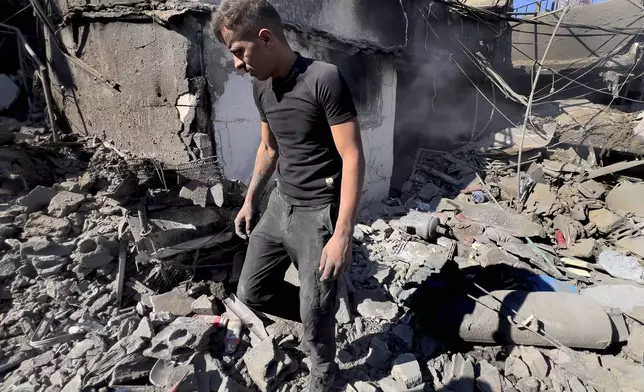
(117,273)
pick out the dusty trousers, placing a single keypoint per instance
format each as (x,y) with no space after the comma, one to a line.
(285,234)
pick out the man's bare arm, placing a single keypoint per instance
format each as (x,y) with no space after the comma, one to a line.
(349,144)
(265,163)
(336,256)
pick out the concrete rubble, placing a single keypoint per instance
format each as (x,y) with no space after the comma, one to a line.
(117,270)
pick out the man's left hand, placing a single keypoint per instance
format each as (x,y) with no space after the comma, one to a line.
(336,256)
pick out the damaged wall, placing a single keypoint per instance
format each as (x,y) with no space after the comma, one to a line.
(236,121)
(151,66)
(175,80)
(574,47)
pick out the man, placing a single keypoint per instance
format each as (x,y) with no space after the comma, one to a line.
(310,133)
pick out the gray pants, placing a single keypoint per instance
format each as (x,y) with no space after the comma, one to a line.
(285,234)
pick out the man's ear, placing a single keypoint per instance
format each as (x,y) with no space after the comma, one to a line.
(266,37)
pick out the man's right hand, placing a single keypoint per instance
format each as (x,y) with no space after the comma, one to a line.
(243,221)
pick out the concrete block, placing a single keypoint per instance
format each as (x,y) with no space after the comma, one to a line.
(176,302)
(605,220)
(268,365)
(37,199)
(407,371)
(516,367)
(374,304)
(535,360)
(64,203)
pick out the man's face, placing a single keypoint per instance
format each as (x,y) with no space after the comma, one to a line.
(250,56)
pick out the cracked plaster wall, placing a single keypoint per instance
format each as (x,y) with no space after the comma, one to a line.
(236,121)
(150,63)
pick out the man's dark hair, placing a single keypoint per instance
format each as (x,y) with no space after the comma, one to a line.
(245,18)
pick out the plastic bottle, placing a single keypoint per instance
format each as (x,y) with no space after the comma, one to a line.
(216,321)
(479,197)
(233,335)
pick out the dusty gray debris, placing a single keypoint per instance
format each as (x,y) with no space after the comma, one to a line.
(491,216)
(133,371)
(605,220)
(124,352)
(621,201)
(37,199)
(576,385)
(127,327)
(389,384)
(621,266)
(159,319)
(202,305)
(144,329)
(634,245)
(80,349)
(180,339)
(583,248)
(635,347)
(529,384)
(9,92)
(43,247)
(196,191)
(591,189)
(489,379)
(407,370)
(268,365)
(535,360)
(9,265)
(74,385)
(404,335)
(343,314)
(92,253)
(49,265)
(382,226)
(362,386)
(379,354)
(460,376)
(374,304)
(176,302)
(516,367)
(64,203)
(40,225)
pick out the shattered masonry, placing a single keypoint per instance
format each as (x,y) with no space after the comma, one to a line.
(118,258)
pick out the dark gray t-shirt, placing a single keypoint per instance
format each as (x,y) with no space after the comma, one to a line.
(300,110)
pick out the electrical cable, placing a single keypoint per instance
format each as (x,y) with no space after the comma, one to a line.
(545,67)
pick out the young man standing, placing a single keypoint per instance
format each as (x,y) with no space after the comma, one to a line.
(310,133)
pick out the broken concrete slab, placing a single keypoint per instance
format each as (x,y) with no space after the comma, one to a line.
(176,302)
(46,226)
(374,304)
(64,203)
(132,372)
(379,354)
(516,367)
(635,346)
(541,200)
(49,265)
(491,216)
(630,376)
(180,339)
(202,305)
(431,255)
(624,297)
(622,266)
(459,375)
(605,220)
(144,329)
(124,352)
(36,247)
(535,360)
(634,245)
(489,378)
(406,370)
(92,253)
(591,189)
(268,365)
(621,199)
(37,199)
(528,384)
(583,248)
(9,265)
